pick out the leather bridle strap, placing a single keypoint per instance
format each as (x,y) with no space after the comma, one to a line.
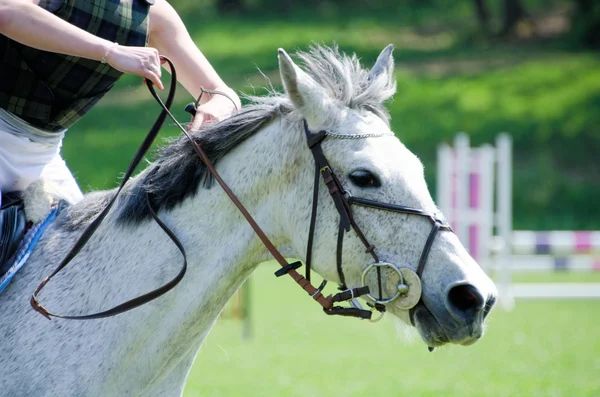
(313,220)
(343,202)
(338,194)
(93,226)
(428,243)
(438,224)
(315,293)
(334,187)
(287,268)
(363,202)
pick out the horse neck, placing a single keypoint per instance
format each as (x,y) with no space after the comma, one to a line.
(222,248)
(263,172)
(126,260)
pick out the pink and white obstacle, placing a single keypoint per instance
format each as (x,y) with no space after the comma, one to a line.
(474,190)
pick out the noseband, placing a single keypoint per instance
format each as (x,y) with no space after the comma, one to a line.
(408,293)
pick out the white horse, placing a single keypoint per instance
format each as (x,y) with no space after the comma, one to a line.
(261,152)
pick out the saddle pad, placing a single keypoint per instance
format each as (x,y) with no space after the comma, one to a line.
(26,247)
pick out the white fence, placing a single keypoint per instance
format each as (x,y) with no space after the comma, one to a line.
(474,189)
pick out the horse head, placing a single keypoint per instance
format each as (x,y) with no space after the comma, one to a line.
(421,275)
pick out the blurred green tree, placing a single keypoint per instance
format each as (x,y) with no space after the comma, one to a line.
(514,15)
(586,22)
(483,16)
(230,7)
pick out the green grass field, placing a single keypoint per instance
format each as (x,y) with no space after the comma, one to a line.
(543,348)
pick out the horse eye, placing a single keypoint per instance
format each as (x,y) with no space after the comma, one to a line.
(363,178)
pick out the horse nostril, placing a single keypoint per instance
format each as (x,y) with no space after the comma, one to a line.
(466,299)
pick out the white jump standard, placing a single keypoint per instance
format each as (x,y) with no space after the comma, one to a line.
(474,190)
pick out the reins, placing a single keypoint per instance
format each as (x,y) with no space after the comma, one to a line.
(93,226)
(327,303)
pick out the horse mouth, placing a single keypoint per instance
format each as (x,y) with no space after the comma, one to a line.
(429,328)
(435,335)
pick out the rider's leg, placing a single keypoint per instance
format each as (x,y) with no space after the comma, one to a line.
(23,161)
(58,172)
(25,158)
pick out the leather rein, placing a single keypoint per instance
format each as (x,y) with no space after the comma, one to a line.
(342,199)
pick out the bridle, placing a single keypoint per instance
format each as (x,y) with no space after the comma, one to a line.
(409,288)
(408,293)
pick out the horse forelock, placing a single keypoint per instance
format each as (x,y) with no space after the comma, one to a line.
(178,172)
(346,81)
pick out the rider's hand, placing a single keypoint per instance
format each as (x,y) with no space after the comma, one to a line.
(218,108)
(142,61)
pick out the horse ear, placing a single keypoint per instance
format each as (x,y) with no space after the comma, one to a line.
(384,63)
(307,96)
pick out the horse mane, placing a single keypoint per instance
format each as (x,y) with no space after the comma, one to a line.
(178,172)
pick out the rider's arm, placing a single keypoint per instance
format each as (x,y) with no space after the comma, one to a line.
(24,21)
(169,35)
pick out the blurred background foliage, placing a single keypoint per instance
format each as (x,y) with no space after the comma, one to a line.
(527,67)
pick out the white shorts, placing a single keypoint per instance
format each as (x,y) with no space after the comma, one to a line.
(23,160)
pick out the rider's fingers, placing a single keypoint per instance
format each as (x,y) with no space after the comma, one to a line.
(197,121)
(157,69)
(163,62)
(157,59)
(154,78)
(209,117)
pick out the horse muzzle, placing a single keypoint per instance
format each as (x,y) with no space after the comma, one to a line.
(459,319)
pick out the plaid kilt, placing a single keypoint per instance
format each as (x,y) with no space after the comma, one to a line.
(52,91)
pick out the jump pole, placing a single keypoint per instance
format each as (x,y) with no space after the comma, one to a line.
(466,193)
(503,219)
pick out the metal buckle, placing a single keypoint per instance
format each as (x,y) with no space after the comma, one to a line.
(374,320)
(319,289)
(356,304)
(325,168)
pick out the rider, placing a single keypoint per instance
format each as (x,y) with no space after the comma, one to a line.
(59,57)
